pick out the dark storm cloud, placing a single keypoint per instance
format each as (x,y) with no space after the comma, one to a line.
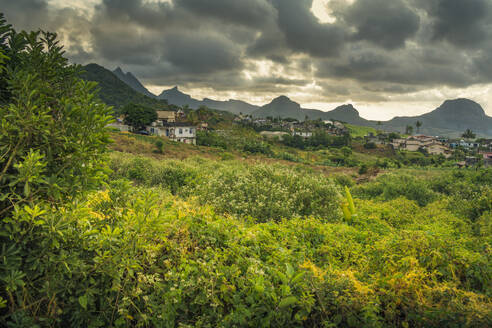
(144,14)
(304,33)
(464,23)
(282,81)
(251,13)
(377,46)
(29,14)
(416,66)
(385,23)
(201,53)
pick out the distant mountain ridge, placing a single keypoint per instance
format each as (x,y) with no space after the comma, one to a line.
(452,118)
(234,106)
(132,82)
(455,115)
(176,97)
(284,107)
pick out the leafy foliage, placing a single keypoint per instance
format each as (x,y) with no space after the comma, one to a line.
(319,139)
(135,257)
(138,116)
(392,186)
(53,131)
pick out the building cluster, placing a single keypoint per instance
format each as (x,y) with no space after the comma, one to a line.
(437,146)
(431,145)
(173,126)
(278,127)
(170,124)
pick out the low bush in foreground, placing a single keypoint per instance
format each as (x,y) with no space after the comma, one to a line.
(139,257)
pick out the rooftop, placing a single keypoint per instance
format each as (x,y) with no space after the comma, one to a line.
(178,124)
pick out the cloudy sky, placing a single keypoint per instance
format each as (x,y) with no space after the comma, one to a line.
(387,57)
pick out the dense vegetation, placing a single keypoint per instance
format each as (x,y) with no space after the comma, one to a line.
(138,116)
(95,240)
(319,139)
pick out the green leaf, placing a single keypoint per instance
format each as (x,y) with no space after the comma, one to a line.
(83,301)
(289,270)
(283,277)
(298,277)
(26,189)
(287,301)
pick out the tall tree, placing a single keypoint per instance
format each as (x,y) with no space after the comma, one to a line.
(418,124)
(409,130)
(53,130)
(469,134)
(138,117)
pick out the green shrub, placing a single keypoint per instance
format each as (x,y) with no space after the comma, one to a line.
(344,180)
(269,193)
(288,157)
(159,144)
(363,168)
(172,175)
(391,186)
(226,156)
(257,147)
(211,139)
(53,132)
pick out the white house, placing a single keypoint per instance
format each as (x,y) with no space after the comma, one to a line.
(468,144)
(181,132)
(273,134)
(303,134)
(120,125)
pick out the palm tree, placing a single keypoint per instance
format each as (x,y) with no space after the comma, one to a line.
(409,130)
(468,134)
(418,125)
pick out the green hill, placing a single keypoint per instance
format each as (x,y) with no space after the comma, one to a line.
(115,92)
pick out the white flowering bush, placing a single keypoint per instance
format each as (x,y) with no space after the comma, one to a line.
(269,193)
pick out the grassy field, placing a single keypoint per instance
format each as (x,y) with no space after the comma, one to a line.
(360,131)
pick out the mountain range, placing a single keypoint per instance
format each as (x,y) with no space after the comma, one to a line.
(452,118)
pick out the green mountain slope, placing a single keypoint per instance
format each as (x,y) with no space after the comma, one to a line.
(115,92)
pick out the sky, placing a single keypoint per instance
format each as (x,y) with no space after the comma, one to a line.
(386,57)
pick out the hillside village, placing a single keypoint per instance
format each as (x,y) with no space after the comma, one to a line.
(177,126)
